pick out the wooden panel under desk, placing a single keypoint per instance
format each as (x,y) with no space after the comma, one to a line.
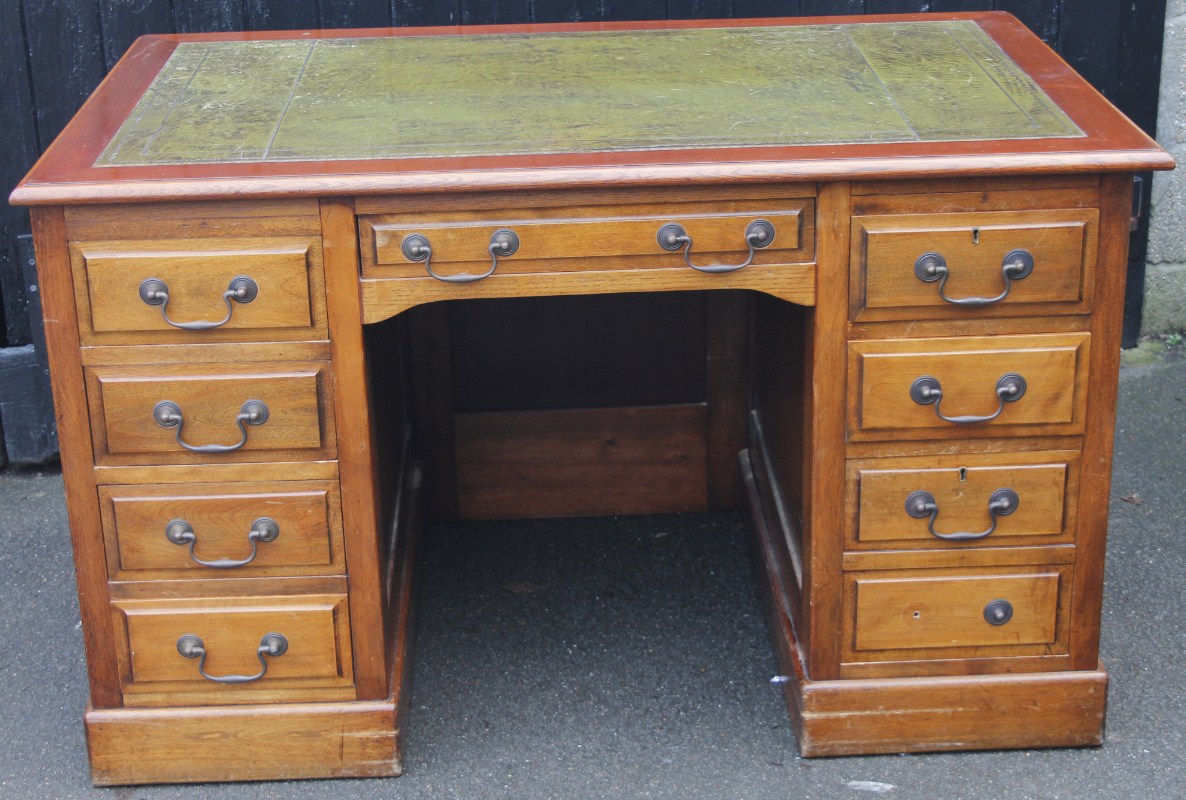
(580,462)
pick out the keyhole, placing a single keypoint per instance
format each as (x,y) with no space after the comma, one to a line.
(975,236)
(963,474)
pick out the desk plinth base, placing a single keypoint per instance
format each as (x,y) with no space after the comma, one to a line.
(922,714)
(244,743)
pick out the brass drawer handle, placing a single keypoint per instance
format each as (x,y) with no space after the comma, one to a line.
(155,292)
(273,644)
(931,267)
(264,529)
(922,504)
(758,234)
(926,391)
(415,247)
(168,414)
(998,612)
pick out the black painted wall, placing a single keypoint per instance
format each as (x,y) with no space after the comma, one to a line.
(54,52)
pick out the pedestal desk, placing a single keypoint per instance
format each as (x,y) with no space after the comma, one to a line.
(271,266)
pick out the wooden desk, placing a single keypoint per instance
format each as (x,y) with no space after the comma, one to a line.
(916,359)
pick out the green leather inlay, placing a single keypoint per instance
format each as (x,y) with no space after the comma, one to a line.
(504,94)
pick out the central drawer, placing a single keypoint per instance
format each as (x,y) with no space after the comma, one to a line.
(468,243)
(211,413)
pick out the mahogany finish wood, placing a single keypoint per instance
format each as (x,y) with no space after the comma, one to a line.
(381,389)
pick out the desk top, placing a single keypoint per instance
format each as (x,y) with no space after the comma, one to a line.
(349,112)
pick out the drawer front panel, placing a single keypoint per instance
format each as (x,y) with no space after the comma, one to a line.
(972,374)
(284,297)
(950,612)
(240,530)
(314,628)
(207,402)
(962,496)
(594,238)
(972,249)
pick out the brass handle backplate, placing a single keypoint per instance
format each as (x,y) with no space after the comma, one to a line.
(242,289)
(416,247)
(922,504)
(168,414)
(263,529)
(931,267)
(272,644)
(927,391)
(758,234)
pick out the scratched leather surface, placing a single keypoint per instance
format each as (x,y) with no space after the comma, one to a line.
(504,94)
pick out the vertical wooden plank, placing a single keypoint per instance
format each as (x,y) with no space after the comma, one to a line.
(495,12)
(766,8)
(728,393)
(355,14)
(20,151)
(426,12)
(1040,16)
(1096,477)
(566,11)
(74,433)
(1088,39)
(699,9)
(824,424)
(196,16)
(822,8)
(633,9)
(124,20)
(962,5)
(357,458)
(65,59)
(281,15)
(1138,74)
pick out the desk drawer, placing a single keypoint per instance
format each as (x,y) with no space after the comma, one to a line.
(238,530)
(968,386)
(972,501)
(309,660)
(907,615)
(955,265)
(211,413)
(177,290)
(578,239)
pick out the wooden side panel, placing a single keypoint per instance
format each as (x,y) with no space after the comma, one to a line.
(639,460)
(824,426)
(74,434)
(357,457)
(1100,423)
(267,742)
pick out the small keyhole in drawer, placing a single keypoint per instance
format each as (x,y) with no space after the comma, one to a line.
(975,236)
(963,474)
